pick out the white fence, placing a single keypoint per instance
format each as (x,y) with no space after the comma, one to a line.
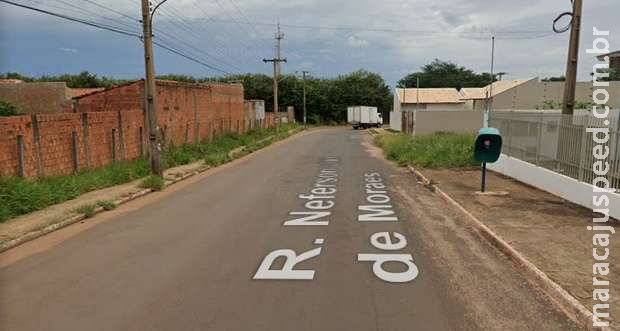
(554,152)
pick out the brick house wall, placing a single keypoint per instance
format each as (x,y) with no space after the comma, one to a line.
(39,98)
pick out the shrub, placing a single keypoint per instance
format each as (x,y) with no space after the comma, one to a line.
(154,183)
(7,109)
(88,210)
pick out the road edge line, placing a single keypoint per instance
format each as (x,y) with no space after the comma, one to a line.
(32,235)
(571,307)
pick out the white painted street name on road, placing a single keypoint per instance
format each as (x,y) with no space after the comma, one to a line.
(319,203)
(379,209)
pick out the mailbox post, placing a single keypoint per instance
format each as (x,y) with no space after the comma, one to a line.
(488,148)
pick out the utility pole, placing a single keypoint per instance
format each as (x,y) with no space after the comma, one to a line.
(150,89)
(276,73)
(490,92)
(568,105)
(304,74)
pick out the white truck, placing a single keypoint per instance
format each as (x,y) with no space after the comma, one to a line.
(362,117)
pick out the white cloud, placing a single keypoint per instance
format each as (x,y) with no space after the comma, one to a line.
(69,50)
(356,42)
(421,31)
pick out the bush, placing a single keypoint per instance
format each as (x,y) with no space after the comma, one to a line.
(7,109)
(154,183)
(88,210)
(441,150)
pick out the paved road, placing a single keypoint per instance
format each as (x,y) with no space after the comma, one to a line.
(215,254)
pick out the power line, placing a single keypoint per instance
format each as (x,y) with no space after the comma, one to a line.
(73,19)
(112,10)
(243,30)
(212,20)
(190,31)
(244,17)
(115,30)
(96,15)
(197,50)
(170,49)
(388,30)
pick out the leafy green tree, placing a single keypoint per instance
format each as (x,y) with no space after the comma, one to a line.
(82,80)
(445,74)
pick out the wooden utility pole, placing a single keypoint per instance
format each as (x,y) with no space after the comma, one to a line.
(568,105)
(276,74)
(150,91)
(304,74)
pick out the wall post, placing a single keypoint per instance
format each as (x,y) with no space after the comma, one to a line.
(20,154)
(37,141)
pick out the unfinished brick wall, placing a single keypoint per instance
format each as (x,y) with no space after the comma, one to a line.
(12,131)
(31,98)
(109,126)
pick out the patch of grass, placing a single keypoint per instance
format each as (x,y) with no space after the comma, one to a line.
(154,183)
(21,196)
(217,152)
(440,150)
(106,205)
(87,210)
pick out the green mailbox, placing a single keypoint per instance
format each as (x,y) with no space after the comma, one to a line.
(488,145)
(487,150)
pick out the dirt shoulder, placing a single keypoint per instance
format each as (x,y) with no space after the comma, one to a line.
(549,231)
(30,226)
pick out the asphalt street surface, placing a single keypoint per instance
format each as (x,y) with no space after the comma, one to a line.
(314,233)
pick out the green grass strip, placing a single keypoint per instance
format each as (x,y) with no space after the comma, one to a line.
(20,196)
(440,150)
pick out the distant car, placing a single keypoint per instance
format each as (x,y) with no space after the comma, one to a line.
(363,117)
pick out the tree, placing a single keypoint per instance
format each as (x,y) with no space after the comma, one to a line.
(445,74)
(328,98)
(82,80)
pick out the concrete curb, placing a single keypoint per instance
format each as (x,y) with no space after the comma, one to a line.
(562,299)
(7,245)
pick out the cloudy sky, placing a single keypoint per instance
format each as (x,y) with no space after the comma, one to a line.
(326,37)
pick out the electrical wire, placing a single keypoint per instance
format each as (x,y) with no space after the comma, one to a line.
(190,32)
(560,17)
(77,20)
(170,49)
(115,30)
(111,10)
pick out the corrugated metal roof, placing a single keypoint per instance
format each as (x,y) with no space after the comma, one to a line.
(498,87)
(429,95)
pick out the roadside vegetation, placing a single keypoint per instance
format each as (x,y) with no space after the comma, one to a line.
(20,196)
(8,109)
(440,150)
